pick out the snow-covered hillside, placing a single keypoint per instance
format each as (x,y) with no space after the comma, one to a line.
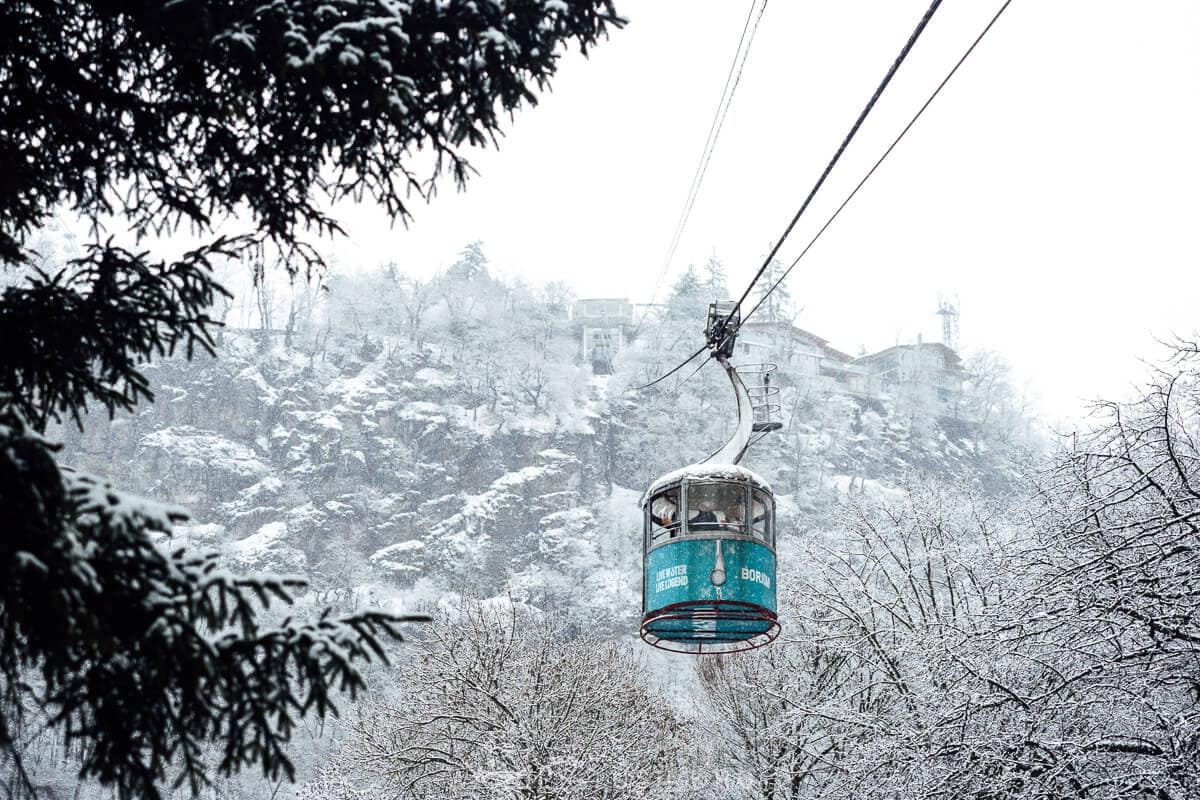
(441,445)
(408,441)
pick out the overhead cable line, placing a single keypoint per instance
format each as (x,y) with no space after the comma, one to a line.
(692,374)
(829,167)
(678,367)
(883,157)
(887,79)
(720,123)
(732,79)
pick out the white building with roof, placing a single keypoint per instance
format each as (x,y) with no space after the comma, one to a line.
(604,325)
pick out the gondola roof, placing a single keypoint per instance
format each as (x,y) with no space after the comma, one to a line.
(706,472)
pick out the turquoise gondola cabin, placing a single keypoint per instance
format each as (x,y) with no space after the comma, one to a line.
(708,584)
(708,530)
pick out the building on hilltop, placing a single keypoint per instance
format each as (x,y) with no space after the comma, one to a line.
(933,368)
(604,325)
(931,372)
(802,356)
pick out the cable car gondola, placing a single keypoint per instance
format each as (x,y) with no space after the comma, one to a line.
(708,577)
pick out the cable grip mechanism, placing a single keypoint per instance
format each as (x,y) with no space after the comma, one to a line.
(721,329)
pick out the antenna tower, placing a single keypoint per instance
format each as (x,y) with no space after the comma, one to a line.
(948,311)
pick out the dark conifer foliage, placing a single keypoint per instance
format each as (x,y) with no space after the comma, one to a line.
(78,334)
(143,653)
(167,112)
(190,109)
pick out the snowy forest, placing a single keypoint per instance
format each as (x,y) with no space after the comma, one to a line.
(970,606)
(281,521)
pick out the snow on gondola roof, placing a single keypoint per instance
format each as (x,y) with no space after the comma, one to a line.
(706,472)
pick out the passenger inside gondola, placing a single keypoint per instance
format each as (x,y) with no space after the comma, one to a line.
(708,506)
(664,516)
(706,518)
(734,518)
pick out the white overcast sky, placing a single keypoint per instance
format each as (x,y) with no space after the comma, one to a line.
(1053,186)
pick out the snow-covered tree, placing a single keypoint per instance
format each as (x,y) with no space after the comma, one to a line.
(938,644)
(499,702)
(991,402)
(472,264)
(139,653)
(1110,602)
(778,305)
(192,112)
(715,281)
(855,697)
(688,299)
(188,104)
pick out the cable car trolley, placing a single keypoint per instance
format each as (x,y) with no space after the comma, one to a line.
(708,582)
